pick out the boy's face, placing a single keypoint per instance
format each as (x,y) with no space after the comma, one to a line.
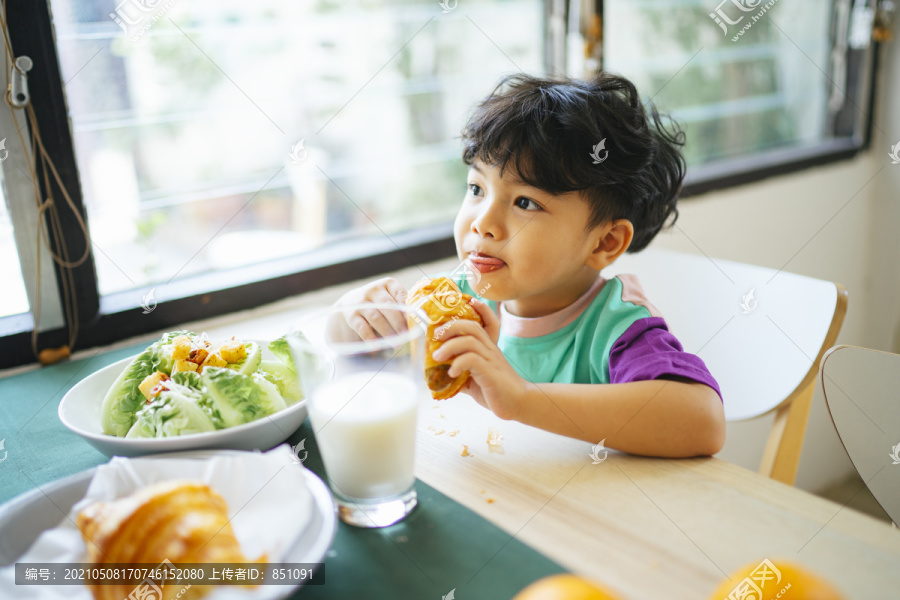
(531,247)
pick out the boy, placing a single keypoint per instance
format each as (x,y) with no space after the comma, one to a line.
(564,177)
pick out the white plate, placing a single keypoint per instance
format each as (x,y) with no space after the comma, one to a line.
(79,410)
(25,517)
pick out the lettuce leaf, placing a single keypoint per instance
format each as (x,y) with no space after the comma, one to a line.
(192,380)
(282,352)
(250,364)
(174,412)
(124,399)
(284,378)
(189,379)
(218,398)
(239,398)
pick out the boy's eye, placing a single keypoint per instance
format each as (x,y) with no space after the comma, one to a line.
(474,188)
(527,204)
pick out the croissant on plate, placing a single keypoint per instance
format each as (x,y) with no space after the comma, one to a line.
(179,521)
(441,300)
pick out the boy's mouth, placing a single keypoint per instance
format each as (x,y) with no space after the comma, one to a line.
(485,263)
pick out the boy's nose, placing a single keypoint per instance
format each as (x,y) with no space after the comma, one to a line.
(478,226)
(486,223)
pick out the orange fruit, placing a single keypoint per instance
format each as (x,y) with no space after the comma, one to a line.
(564,586)
(776,579)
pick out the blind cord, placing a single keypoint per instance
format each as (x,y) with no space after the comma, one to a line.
(53,223)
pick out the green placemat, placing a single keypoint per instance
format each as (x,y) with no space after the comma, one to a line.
(441,546)
(39,449)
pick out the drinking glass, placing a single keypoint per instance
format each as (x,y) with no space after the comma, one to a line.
(363,398)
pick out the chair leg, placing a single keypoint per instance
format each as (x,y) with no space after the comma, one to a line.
(782,452)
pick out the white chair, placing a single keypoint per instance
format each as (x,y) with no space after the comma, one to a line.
(862,393)
(761,333)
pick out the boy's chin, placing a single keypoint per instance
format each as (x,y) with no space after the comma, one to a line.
(488,294)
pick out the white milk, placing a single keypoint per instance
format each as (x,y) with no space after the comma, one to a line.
(365,425)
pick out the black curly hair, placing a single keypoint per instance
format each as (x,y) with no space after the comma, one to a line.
(548,129)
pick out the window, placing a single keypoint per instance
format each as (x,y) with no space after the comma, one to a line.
(755,84)
(227,154)
(230,134)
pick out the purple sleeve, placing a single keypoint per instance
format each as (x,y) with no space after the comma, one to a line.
(648,351)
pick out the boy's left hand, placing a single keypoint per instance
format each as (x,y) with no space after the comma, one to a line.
(493,382)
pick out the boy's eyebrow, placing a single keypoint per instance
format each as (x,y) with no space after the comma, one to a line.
(514,176)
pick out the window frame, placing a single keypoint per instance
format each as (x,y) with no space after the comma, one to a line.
(34,41)
(104,320)
(862,73)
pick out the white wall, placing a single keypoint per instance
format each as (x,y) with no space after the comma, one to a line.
(825,222)
(883,325)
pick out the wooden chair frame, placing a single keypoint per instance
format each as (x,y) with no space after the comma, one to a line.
(781,455)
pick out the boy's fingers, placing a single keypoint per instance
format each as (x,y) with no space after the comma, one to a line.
(461,328)
(398,295)
(397,291)
(362,328)
(370,324)
(396,318)
(460,365)
(491,321)
(453,347)
(387,322)
(468,361)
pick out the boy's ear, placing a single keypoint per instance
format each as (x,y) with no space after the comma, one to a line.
(611,240)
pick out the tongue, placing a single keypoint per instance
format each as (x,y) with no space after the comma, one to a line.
(487,260)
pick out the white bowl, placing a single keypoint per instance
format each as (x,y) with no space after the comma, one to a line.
(79,410)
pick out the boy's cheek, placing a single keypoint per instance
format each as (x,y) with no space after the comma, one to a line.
(485,290)
(457,235)
(460,222)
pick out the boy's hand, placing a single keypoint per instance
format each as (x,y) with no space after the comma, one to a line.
(493,382)
(372,323)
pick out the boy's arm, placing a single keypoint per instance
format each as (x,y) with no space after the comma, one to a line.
(657,418)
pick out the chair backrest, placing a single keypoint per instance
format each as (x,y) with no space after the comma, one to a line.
(761,333)
(862,393)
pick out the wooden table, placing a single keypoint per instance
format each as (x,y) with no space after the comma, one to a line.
(647,528)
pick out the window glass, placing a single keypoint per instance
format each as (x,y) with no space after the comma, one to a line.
(13,300)
(735,82)
(216,133)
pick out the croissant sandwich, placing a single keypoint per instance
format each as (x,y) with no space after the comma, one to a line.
(179,521)
(442,301)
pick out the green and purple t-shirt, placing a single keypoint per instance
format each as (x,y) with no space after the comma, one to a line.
(611,334)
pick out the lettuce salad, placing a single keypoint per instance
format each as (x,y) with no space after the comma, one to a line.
(183,384)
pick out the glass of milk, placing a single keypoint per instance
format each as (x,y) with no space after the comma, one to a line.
(363,396)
